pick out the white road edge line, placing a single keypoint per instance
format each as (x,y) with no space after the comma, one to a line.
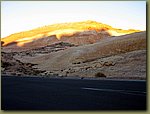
(121,91)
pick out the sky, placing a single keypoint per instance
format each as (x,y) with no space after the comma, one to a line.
(17,16)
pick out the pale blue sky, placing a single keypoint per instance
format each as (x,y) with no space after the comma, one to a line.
(17,16)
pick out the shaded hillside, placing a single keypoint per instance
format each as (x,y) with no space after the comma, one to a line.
(81,54)
(128,52)
(80,33)
(12,66)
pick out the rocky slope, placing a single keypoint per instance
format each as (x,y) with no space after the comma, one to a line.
(121,57)
(78,33)
(80,49)
(10,65)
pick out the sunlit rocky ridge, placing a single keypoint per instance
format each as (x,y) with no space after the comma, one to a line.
(63,29)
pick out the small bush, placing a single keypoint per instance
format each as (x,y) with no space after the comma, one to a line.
(99,74)
(5,64)
(2,42)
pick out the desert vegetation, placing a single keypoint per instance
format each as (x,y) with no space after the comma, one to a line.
(100,75)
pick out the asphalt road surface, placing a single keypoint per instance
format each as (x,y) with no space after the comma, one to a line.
(35,93)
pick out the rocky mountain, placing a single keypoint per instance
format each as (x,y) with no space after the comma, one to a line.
(78,33)
(81,49)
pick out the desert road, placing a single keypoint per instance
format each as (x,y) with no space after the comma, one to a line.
(37,93)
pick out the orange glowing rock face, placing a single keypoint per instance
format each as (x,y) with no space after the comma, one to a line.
(62,29)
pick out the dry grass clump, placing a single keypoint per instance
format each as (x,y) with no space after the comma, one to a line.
(99,74)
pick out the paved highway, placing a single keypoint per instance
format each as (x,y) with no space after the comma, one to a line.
(36,93)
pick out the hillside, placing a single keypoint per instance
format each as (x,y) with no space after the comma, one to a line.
(80,49)
(120,56)
(79,33)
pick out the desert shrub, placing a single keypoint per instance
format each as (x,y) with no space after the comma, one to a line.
(99,74)
(5,64)
(2,42)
